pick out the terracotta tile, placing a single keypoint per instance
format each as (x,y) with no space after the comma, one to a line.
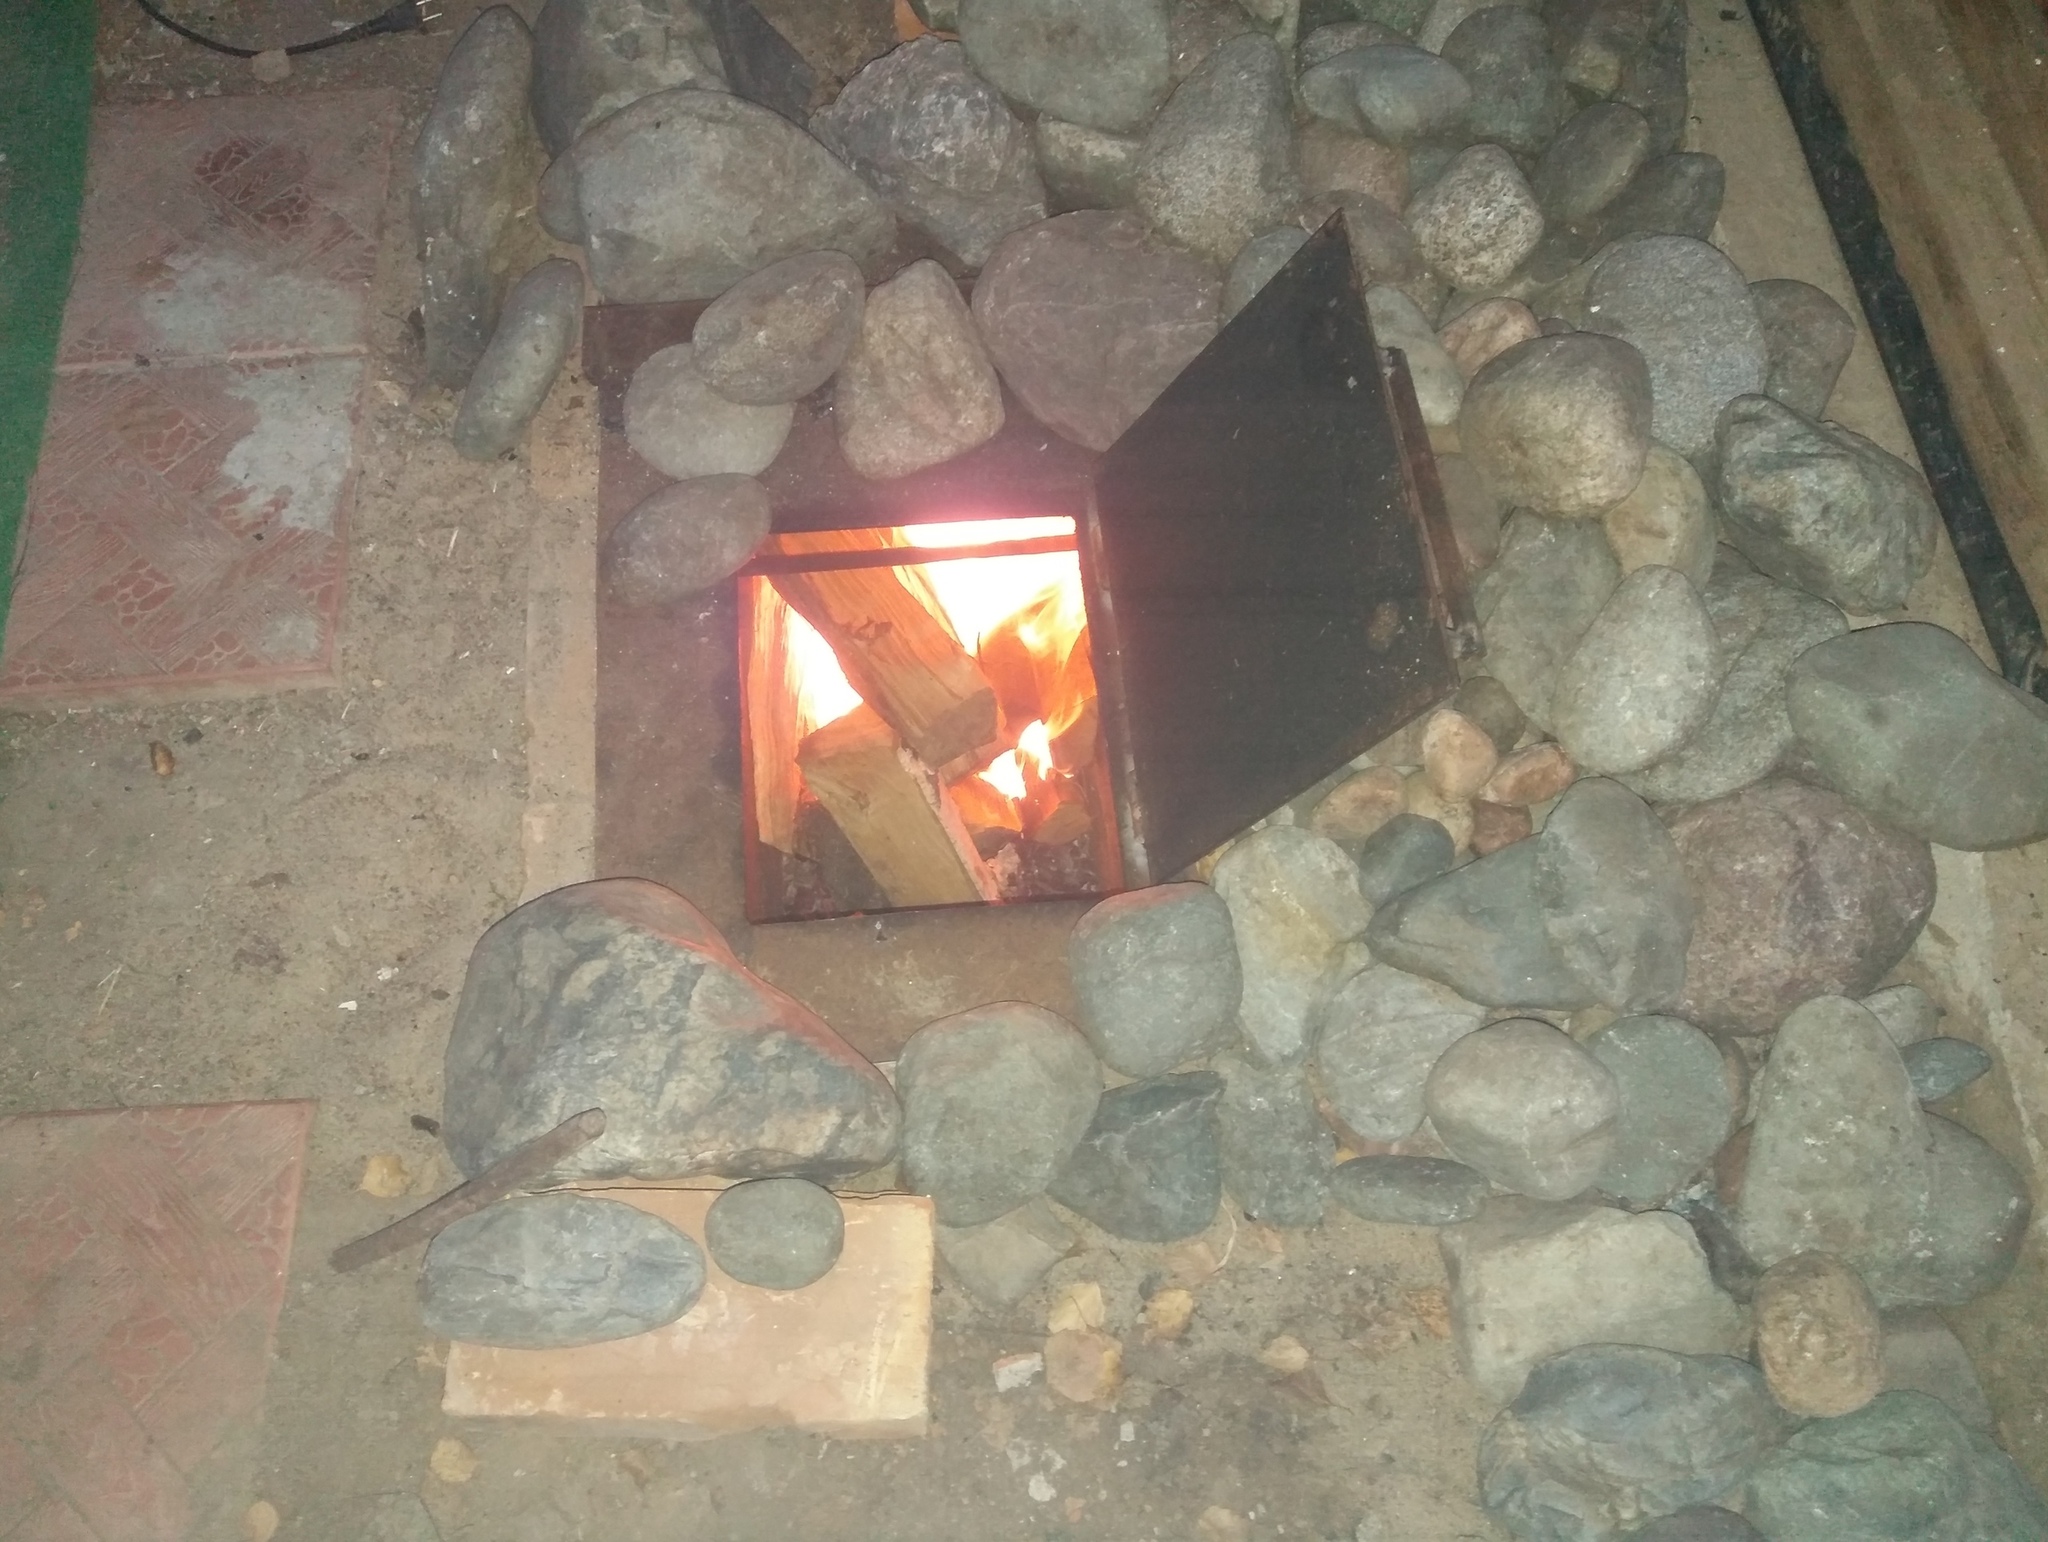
(228,227)
(54,1521)
(90,1448)
(20,1492)
(138,1298)
(187,525)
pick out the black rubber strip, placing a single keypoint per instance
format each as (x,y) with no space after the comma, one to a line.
(2006,609)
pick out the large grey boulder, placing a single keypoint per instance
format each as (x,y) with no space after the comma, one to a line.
(1760,628)
(1527,1106)
(1481,930)
(550,1271)
(473,172)
(1613,897)
(1529,1279)
(1822,508)
(681,539)
(681,426)
(1643,679)
(1156,977)
(1380,1032)
(1150,1167)
(1294,902)
(1678,1103)
(1099,63)
(1478,220)
(592,57)
(940,145)
(1546,587)
(1088,317)
(1966,1236)
(1218,162)
(1900,1466)
(1809,337)
(918,388)
(618,994)
(1560,425)
(1518,96)
(1838,1153)
(1906,723)
(670,191)
(1605,1434)
(518,368)
(781,332)
(1688,311)
(995,1099)
(1593,157)
(1797,893)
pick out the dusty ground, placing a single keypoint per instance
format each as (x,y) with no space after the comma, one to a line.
(196,938)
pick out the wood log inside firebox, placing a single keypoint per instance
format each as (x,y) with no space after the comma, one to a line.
(894,812)
(1072,718)
(897,653)
(1055,809)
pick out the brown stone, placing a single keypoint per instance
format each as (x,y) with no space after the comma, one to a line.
(1457,754)
(1530,776)
(1798,894)
(1818,1338)
(1357,806)
(1489,329)
(1454,814)
(1084,1365)
(1495,825)
(1331,160)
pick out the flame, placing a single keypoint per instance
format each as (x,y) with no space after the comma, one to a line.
(1034,745)
(1006,775)
(1038,595)
(822,692)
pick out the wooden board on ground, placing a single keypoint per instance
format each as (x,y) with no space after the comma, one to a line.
(1945,102)
(844,1357)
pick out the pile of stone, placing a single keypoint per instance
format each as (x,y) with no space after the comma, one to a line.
(1594,969)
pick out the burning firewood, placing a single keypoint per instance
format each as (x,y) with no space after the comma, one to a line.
(991,815)
(895,813)
(896,651)
(1071,714)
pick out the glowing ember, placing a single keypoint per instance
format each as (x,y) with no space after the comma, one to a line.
(1034,746)
(1005,775)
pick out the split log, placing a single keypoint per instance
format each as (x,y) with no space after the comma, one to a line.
(896,649)
(895,813)
(771,710)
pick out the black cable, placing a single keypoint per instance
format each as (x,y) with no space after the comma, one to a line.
(405,16)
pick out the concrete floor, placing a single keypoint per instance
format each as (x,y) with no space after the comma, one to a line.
(224,913)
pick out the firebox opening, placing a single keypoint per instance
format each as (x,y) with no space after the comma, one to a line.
(920,722)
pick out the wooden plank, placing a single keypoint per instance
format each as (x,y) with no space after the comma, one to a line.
(895,812)
(896,649)
(845,1356)
(773,731)
(1962,215)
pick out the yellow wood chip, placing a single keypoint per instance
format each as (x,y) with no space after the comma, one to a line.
(1167,1314)
(385,1176)
(1286,1354)
(1079,1306)
(452,1461)
(1084,1366)
(259,1521)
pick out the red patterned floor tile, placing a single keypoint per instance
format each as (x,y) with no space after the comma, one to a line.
(186,530)
(140,1280)
(229,227)
(186,526)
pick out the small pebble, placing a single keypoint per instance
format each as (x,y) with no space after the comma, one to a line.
(1530,776)
(1495,825)
(1405,851)
(1457,755)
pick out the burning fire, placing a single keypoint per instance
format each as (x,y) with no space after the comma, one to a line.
(1035,598)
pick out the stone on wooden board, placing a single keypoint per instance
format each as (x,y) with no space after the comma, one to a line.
(782,331)
(681,539)
(683,428)
(778,1233)
(918,388)
(700,1066)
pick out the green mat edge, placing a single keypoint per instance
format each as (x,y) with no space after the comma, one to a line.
(46,64)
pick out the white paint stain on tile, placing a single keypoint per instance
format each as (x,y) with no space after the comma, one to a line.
(296,457)
(220,301)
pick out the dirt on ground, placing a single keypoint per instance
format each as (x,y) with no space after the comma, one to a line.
(288,913)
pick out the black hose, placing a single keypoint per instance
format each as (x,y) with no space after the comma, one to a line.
(2011,623)
(406,16)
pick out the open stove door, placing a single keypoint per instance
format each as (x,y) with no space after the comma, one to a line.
(1272,584)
